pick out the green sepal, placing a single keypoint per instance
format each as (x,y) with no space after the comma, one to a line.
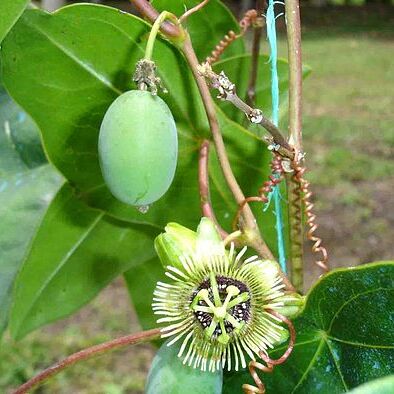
(184,237)
(179,240)
(284,336)
(175,242)
(209,241)
(293,305)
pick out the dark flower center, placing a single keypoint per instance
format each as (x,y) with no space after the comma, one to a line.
(240,312)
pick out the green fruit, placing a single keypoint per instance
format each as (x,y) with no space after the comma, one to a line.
(138,148)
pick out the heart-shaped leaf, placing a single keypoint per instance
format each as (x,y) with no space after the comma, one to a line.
(345,335)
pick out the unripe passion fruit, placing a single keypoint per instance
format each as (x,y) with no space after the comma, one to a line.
(138,148)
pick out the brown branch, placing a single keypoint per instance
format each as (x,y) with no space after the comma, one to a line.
(257,33)
(86,354)
(227,91)
(285,149)
(203,182)
(293,21)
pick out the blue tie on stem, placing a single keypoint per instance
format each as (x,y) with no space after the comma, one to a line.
(271,35)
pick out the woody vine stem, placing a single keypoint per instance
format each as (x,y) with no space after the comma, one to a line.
(293,23)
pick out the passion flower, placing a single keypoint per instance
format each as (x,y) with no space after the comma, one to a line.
(218,303)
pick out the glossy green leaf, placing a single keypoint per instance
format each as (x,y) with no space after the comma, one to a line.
(10,11)
(207,27)
(76,252)
(345,335)
(168,375)
(378,386)
(27,185)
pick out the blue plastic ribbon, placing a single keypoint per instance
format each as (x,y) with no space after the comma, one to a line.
(271,35)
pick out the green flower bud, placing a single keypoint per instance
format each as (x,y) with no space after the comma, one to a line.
(292,304)
(174,243)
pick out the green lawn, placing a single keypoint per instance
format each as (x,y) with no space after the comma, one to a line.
(348,101)
(348,104)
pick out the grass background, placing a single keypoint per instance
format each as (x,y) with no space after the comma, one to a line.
(348,102)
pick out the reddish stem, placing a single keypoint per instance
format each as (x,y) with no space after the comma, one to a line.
(203,182)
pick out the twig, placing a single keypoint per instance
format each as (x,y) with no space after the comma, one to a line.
(193,10)
(85,354)
(293,22)
(227,91)
(203,182)
(257,32)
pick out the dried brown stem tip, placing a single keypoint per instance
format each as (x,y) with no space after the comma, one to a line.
(145,77)
(227,91)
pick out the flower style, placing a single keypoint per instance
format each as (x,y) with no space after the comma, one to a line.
(218,303)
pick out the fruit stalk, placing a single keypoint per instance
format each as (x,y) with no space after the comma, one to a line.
(155,29)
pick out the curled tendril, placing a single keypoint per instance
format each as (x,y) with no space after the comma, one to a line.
(274,179)
(250,18)
(303,193)
(270,363)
